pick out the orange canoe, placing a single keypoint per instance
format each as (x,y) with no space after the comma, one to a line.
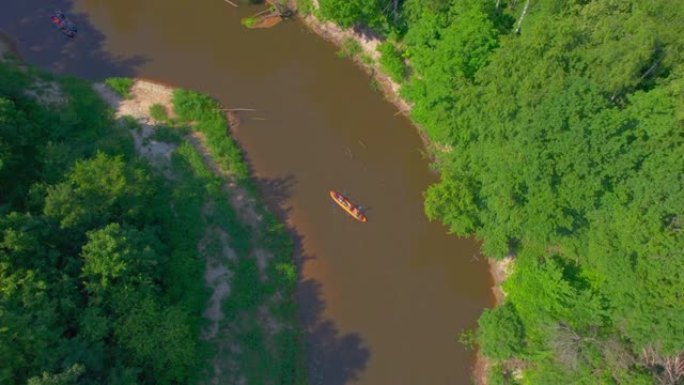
(348,206)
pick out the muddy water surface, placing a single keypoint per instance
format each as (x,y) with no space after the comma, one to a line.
(382,301)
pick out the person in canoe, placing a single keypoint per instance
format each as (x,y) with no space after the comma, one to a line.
(348,206)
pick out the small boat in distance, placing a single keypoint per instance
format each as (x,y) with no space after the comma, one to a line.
(62,22)
(348,206)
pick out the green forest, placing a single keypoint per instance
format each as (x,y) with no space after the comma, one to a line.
(101,279)
(557,127)
(98,284)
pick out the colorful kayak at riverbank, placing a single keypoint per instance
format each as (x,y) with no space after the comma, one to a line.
(348,206)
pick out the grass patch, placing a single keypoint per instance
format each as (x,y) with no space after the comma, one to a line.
(367,59)
(159,113)
(392,62)
(305,7)
(121,86)
(350,48)
(208,119)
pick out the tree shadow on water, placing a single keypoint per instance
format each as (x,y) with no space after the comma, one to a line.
(40,43)
(333,358)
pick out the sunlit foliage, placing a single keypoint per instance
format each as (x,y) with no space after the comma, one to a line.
(557,129)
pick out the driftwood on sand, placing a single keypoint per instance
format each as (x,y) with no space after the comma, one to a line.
(238,109)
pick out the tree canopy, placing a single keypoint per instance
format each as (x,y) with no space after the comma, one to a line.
(86,250)
(557,130)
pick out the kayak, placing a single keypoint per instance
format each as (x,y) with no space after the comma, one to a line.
(63,23)
(348,206)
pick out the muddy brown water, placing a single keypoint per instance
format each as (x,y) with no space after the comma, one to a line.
(383,301)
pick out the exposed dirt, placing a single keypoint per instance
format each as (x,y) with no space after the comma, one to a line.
(144,94)
(500,270)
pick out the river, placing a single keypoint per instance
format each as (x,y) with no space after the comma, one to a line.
(382,302)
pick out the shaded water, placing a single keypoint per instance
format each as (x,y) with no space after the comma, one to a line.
(383,302)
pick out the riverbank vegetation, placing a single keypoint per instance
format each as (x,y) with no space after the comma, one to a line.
(121,86)
(556,127)
(104,249)
(99,283)
(259,335)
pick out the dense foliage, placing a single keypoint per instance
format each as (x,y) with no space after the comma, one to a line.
(209,120)
(558,132)
(102,256)
(392,62)
(98,284)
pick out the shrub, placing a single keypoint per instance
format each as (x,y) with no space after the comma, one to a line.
(159,113)
(501,332)
(249,22)
(392,62)
(190,105)
(209,120)
(121,86)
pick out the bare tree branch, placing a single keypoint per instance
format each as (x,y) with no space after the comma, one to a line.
(522,16)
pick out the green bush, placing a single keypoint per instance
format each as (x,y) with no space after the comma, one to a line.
(249,22)
(121,86)
(208,119)
(159,113)
(392,62)
(501,332)
(118,295)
